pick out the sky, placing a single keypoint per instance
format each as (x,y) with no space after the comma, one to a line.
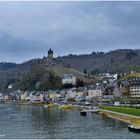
(29,29)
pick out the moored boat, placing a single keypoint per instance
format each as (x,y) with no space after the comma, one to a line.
(134,128)
(91,110)
(83,113)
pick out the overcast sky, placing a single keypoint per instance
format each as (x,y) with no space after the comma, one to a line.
(29,29)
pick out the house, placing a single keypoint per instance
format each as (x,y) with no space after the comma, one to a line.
(54,96)
(69,79)
(6,97)
(10,86)
(108,93)
(80,96)
(71,95)
(94,93)
(1,97)
(32,96)
(108,97)
(135,91)
(23,96)
(117,104)
(42,97)
(133,84)
(38,96)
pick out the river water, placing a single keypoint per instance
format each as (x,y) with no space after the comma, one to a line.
(26,121)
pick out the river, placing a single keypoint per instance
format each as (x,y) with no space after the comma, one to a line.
(26,121)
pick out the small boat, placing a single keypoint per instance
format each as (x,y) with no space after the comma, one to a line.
(83,113)
(91,110)
(134,128)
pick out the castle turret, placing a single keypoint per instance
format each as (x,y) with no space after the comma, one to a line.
(50,54)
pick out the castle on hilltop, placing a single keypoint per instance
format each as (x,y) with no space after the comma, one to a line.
(51,61)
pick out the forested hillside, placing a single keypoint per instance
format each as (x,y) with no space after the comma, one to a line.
(114,61)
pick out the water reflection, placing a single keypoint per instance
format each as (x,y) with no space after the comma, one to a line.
(112,123)
(24,121)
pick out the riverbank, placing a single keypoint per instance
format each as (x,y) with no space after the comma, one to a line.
(120,109)
(118,115)
(24,102)
(52,104)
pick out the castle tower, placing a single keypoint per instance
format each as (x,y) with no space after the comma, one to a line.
(50,54)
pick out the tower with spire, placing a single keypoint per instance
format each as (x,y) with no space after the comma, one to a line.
(50,54)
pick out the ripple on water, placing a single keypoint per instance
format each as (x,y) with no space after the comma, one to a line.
(22,121)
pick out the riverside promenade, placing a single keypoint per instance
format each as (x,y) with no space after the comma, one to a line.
(130,119)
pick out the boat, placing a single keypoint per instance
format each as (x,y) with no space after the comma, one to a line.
(134,128)
(91,110)
(83,113)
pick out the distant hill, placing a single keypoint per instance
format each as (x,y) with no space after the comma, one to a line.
(36,74)
(117,61)
(122,60)
(6,65)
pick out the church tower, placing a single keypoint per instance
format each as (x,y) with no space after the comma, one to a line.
(50,54)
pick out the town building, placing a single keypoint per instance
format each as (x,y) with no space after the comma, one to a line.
(54,96)
(69,79)
(1,97)
(10,86)
(133,84)
(135,91)
(94,93)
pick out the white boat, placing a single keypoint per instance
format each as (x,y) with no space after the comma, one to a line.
(91,110)
(134,128)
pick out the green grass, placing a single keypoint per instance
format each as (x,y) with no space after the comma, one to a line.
(129,111)
(133,107)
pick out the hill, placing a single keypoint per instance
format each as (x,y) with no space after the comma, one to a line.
(129,76)
(117,61)
(61,69)
(36,74)
(122,60)
(6,66)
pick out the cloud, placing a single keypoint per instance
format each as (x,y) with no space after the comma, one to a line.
(14,48)
(29,29)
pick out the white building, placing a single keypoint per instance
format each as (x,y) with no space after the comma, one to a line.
(69,79)
(94,93)
(10,87)
(117,104)
(71,95)
(32,97)
(135,91)
(1,97)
